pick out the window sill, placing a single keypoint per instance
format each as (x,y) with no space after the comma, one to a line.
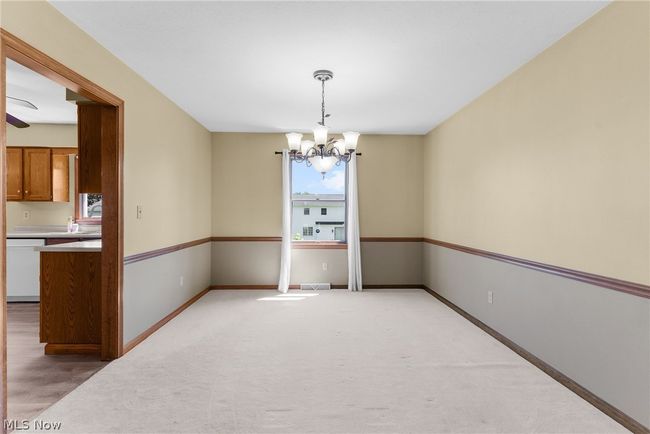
(89,221)
(319,245)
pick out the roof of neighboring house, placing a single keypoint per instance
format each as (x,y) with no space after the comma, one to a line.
(325,197)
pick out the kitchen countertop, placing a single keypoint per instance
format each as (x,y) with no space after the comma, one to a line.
(29,234)
(54,231)
(77,246)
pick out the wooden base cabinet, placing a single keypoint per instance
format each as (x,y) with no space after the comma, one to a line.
(71,302)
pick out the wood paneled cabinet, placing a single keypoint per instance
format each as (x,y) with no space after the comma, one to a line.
(14,174)
(38,174)
(70,304)
(89,139)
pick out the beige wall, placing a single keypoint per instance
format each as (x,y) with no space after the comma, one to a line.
(42,213)
(49,135)
(247,182)
(552,164)
(166,153)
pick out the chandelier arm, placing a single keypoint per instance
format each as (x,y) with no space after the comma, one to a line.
(313,151)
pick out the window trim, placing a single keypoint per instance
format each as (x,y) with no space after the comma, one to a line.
(319,244)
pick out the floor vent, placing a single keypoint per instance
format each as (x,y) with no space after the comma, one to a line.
(315,286)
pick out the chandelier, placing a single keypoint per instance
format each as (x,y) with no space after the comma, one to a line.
(323,152)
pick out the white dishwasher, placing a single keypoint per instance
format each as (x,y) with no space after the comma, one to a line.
(23,269)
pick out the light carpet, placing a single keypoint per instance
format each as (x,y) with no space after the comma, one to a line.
(375,361)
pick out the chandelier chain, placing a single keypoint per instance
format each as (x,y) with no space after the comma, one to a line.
(322,117)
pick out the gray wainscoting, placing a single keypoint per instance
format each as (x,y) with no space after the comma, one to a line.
(391,263)
(152,287)
(258,263)
(596,336)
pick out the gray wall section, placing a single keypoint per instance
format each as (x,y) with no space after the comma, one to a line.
(391,263)
(258,263)
(596,336)
(245,262)
(152,288)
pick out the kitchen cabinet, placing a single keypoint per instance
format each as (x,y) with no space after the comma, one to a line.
(14,174)
(89,139)
(60,177)
(70,302)
(38,174)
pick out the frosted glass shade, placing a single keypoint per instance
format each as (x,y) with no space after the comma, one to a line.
(323,165)
(320,134)
(351,138)
(340,145)
(305,145)
(293,140)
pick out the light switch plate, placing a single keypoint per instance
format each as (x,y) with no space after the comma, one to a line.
(138,211)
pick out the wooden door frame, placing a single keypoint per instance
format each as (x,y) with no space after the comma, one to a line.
(15,49)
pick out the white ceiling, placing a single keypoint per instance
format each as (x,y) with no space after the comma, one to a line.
(400,67)
(45,94)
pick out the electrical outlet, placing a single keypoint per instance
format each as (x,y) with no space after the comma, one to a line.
(324,266)
(182,280)
(138,212)
(490,297)
(27,215)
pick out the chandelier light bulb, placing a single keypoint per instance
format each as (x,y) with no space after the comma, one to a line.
(293,140)
(351,139)
(320,134)
(340,145)
(305,146)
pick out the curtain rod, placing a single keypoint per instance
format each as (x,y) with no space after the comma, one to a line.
(280,153)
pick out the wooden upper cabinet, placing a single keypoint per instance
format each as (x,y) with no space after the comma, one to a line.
(60,177)
(89,131)
(37,174)
(14,174)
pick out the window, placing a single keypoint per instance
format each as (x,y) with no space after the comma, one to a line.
(90,206)
(309,189)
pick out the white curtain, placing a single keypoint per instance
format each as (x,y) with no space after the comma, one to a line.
(354,246)
(285,259)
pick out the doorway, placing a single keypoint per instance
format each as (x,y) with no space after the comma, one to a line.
(110,129)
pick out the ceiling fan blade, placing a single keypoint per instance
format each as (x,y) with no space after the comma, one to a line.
(12,120)
(22,102)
